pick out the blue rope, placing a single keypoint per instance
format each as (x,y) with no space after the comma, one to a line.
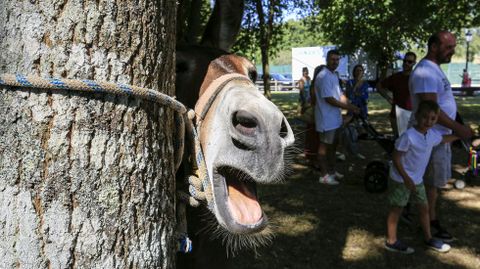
(19,80)
(93,85)
(23,80)
(200,190)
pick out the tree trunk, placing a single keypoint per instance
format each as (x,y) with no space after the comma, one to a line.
(264,47)
(87,179)
(266,74)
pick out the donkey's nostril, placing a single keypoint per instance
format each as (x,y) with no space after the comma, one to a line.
(244,122)
(286,133)
(283,129)
(245,119)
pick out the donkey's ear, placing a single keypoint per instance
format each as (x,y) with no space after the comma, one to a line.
(224,24)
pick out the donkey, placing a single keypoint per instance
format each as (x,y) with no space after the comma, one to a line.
(243,136)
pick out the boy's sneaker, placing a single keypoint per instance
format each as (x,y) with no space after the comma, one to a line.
(439,232)
(338,175)
(399,247)
(438,245)
(328,179)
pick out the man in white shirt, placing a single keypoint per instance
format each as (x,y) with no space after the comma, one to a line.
(328,117)
(428,82)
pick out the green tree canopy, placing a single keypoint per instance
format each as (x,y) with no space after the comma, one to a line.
(263,27)
(192,18)
(296,33)
(381,28)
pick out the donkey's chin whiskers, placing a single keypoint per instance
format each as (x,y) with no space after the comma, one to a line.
(296,134)
(236,242)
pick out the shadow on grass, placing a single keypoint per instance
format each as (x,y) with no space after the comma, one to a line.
(343,226)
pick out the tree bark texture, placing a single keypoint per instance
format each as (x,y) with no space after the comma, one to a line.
(87,179)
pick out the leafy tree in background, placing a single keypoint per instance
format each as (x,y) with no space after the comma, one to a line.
(461,50)
(264,27)
(381,28)
(192,17)
(298,35)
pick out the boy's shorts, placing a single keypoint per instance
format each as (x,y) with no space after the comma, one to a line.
(439,168)
(329,137)
(399,195)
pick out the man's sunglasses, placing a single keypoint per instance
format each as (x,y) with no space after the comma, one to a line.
(409,61)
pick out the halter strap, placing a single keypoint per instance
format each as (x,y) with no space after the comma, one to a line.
(206,100)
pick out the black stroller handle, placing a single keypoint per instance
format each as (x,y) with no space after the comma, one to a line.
(466,143)
(387,143)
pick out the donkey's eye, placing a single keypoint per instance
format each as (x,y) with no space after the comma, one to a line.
(252,74)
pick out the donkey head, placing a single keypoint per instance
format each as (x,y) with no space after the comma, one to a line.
(243,135)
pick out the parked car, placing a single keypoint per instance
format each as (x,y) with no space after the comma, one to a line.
(259,76)
(282,83)
(279,82)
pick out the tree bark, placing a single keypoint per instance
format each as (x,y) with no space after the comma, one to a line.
(266,28)
(266,74)
(87,179)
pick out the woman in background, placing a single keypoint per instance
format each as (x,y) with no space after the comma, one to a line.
(357,90)
(357,94)
(304,90)
(311,136)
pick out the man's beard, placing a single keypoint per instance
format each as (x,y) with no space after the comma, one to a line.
(447,59)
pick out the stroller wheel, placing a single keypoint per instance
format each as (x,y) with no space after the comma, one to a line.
(375,180)
(376,165)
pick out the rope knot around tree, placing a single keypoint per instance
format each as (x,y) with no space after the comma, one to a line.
(184,121)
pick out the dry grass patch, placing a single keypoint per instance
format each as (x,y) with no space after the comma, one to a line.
(343,226)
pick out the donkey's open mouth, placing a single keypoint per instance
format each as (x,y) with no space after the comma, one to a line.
(240,208)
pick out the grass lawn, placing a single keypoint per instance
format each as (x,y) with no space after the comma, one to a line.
(343,226)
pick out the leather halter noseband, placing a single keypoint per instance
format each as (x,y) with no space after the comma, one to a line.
(200,181)
(206,100)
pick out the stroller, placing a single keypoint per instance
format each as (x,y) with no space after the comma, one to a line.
(376,173)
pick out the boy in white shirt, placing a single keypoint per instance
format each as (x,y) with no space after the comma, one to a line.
(410,159)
